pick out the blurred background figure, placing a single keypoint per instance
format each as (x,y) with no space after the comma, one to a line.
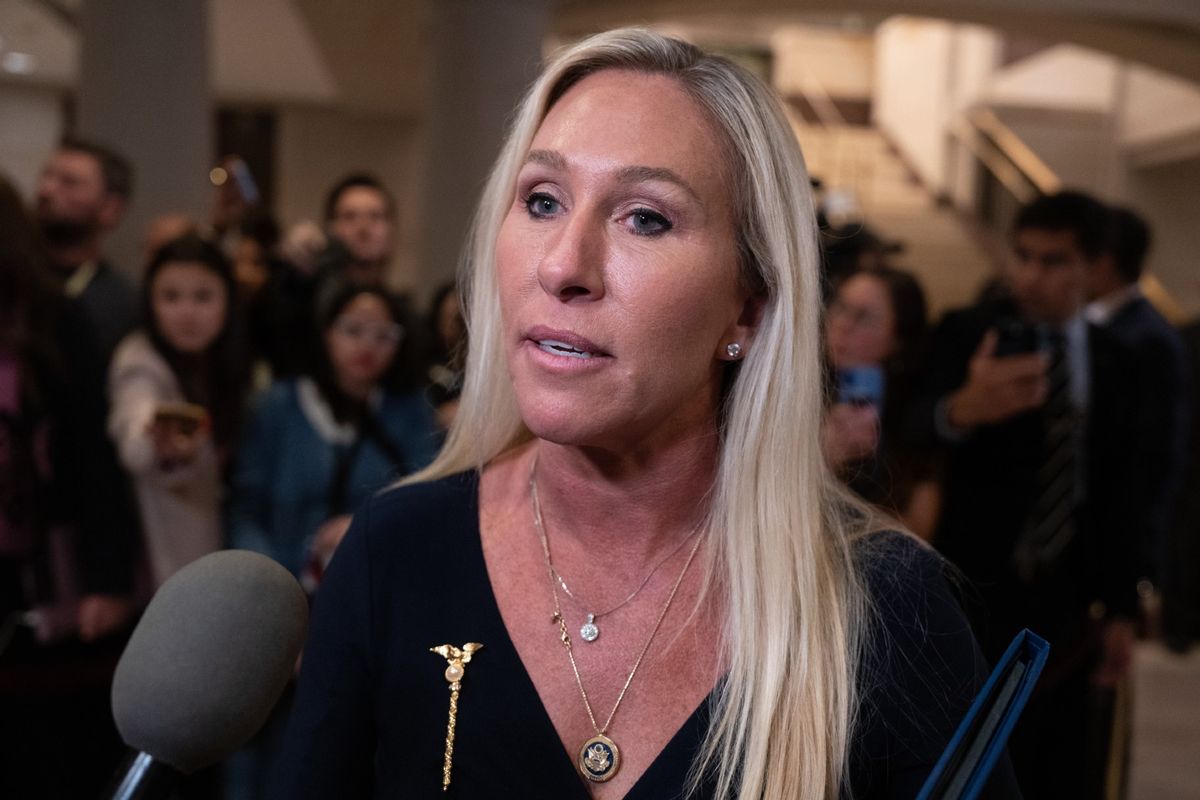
(1032,406)
(235,196)
(1159,383)
(81,196)
(67,532)
(177,388)
(1181,590)
(316,448)
(448,353)
(875,336)
(163,229)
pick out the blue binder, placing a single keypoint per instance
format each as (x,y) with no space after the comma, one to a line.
(963,769)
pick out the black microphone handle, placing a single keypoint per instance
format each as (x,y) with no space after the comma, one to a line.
(143,777)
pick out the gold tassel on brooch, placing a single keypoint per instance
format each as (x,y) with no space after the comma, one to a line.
(458,659)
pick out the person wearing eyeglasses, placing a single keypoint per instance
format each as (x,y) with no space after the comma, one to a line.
(875,334)
(316,447)
(320,444)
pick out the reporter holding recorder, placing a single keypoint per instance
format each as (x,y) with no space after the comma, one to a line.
(176,389)
(629,573)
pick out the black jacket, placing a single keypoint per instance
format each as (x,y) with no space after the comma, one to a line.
(991,486)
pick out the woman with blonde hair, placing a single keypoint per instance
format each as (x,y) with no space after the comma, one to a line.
(630,547)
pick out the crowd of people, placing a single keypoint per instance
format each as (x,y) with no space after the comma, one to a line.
(1038,439)
(257,388)
(238,398)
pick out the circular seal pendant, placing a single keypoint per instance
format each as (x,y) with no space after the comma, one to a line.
(599,758)
(589,631)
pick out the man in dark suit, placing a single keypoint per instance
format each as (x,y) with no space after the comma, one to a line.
(81,196)
(1159,383)
(1028,401)
(1181,589)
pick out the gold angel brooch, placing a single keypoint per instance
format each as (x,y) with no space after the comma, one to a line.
(457,659)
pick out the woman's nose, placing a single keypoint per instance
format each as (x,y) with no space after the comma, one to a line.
(573,265)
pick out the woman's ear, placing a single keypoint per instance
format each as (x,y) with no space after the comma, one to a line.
(736,341)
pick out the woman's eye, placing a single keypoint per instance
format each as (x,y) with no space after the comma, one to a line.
(648,223)
(541,204)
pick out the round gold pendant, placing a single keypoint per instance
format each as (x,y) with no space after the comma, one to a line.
(599,758)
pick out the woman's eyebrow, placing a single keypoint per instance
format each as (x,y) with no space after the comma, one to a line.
(632,174)
(638,174)
(547,158)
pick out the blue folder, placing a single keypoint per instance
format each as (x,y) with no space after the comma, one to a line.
(963,769)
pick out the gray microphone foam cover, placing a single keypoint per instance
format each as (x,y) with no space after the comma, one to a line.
(209,658)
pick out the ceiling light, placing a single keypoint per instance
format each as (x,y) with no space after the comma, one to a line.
(18,63)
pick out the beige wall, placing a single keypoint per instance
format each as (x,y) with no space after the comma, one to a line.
(1169,196)
(841,63)
(1077,146)
(316,147)
(1158,106)
(927,73)
(911,103)
(30,125)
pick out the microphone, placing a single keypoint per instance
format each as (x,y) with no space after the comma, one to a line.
(204,667)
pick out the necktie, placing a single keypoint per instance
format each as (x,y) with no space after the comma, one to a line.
(1051,524)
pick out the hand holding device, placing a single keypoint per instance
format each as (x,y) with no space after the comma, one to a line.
(999,386)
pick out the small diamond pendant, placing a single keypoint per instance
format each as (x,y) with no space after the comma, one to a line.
(589,631)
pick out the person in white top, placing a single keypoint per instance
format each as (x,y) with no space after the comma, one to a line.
(175,388)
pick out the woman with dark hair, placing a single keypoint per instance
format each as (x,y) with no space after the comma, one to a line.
(875,334)
(66,533)
(315,449)
(318,446)
(177,388)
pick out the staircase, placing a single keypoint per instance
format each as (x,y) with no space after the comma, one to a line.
(947,254)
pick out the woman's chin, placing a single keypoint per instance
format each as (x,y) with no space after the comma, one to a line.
(573,424)
(565,431)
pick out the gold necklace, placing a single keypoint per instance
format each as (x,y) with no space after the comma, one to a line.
(590,631)
(599,757)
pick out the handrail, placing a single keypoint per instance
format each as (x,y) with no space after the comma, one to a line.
(1014,149)
(1025,175)
(820,101)
(1017,183)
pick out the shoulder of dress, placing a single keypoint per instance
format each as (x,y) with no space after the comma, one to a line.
(442,511)
(900,571)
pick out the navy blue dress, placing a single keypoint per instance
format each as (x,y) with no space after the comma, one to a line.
(371,708)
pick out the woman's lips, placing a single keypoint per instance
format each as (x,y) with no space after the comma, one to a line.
(559,349)
(563,343)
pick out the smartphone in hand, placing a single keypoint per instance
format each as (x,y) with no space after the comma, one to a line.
(177,429)
(861,386)
(186,419)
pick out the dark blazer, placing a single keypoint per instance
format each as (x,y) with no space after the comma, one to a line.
(1162,414)
(112,308)
(371,704)
(1181,601)
(991,486)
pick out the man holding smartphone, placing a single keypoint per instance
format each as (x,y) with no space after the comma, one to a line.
(1031,406)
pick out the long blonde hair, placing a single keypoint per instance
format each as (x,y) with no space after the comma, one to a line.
(781,550)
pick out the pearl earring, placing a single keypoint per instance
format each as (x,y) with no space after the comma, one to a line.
(733,350)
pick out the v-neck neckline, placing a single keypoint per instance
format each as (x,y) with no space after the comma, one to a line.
(695,723)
